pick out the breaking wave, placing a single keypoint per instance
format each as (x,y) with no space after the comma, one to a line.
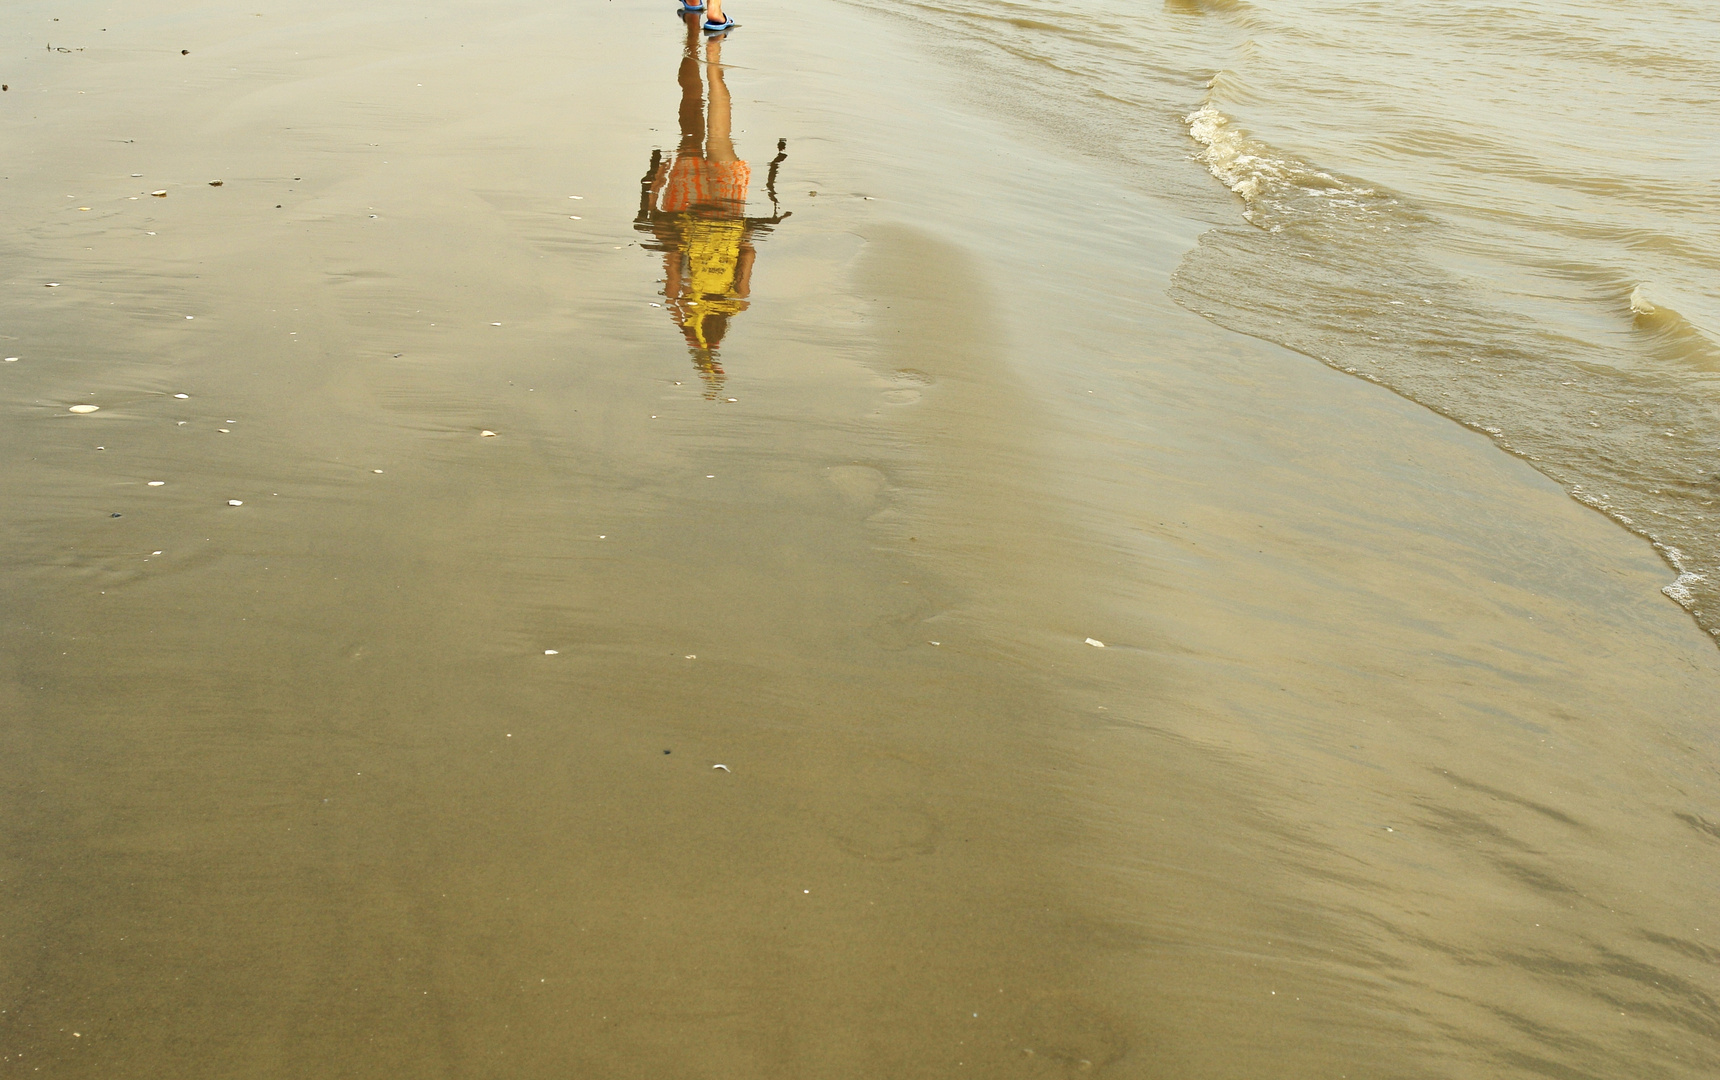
(1345,272)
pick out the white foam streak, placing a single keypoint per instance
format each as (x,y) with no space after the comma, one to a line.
(1273,187)
(1225,153)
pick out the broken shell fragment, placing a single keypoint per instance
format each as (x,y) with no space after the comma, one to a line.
(85,408)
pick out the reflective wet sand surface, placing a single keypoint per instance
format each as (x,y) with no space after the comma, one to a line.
(1097,691)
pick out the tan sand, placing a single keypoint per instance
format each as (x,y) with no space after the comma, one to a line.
(1393,761)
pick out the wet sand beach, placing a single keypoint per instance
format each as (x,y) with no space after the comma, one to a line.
(943,655)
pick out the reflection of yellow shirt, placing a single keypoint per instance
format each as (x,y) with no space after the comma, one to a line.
(713,254)
(713,248)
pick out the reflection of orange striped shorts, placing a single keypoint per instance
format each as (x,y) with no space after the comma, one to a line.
(715,188)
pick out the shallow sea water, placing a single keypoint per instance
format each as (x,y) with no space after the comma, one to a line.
(1502,212)
(1393,761)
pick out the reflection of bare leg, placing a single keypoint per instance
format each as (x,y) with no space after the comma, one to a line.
(692,92)
(719,147)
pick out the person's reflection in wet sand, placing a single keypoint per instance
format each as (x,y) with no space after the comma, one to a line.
(694,206)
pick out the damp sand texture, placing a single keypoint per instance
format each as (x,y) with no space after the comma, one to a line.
(447,650)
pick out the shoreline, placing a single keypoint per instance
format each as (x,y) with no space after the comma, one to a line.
(408,762)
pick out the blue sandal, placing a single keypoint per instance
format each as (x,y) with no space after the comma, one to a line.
(720,28)
(691,9)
